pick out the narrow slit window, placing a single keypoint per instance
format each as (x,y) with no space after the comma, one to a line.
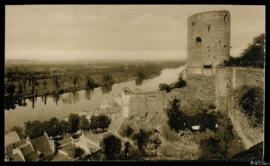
(209,27)
(226,18)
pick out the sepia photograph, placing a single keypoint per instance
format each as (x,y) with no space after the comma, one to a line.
(134,83)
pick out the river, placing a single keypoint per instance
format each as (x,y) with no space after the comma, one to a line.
(45,108)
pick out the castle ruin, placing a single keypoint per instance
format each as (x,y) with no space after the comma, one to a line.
(208,38)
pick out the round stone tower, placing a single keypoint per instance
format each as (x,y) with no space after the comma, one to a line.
(208,38)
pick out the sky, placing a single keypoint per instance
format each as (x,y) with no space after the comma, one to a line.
(96,32)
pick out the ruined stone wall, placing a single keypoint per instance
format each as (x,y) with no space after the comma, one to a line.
(200,88)
(208,38)
(229,78)
(141,104)
(248,76)
(248,134)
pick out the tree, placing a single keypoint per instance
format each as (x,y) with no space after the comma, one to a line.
(34,129)
(99,121)
(66,126)
(165,87)
(54,127)
(176,118)
(90,84)
(253,55)
(140,75)
(107,80)
(180,83)
(252,105)
(111,146)
(127,131)
(210,149)
(104,121)
(74,121)
(142,138)
(130,153)
(11,89)
(84,123)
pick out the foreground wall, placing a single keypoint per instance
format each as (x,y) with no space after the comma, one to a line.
(228,79)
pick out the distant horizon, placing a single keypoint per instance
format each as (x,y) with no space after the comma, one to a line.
(79,32)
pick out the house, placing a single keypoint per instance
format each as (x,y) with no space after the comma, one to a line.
(90,142)
(22,149)
(44,145)
(66,148)
(11,138)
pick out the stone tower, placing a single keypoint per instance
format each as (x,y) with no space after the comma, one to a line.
(208,38)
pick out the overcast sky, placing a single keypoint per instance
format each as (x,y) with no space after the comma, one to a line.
(66,32)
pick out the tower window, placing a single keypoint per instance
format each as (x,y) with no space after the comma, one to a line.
(209,26)
(207,66)
(226,18)
(193,23)
(198,40)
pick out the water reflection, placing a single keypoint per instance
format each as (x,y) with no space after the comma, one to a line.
(44,99)
(75,96)
(88,93)
(139,82)
(56,97)
(106,88)
(61,105)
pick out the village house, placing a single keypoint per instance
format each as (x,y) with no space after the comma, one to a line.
(16,149)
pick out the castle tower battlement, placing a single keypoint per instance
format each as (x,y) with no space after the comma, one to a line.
(208,38)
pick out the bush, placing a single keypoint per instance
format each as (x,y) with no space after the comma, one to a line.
(176,118)
(142,138)
(210,149)
(252,105)
(34,129)
(253,55)
(126,130)
(84,123)
(99,121)
(111,147)
(74,121)
(178,84)
(165,87)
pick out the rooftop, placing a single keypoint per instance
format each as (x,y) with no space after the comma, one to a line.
(43,145)
(11,138)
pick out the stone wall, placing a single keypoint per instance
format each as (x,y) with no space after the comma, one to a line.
(200,89)
(229,78)
(142,103)
(249,135)
(247,76)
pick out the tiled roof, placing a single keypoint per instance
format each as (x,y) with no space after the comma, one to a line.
(17,157)
(11,138)
(61,157)
(33,156)
(65,140)
(42,144)
(27,149)
(69,149)
(21,142)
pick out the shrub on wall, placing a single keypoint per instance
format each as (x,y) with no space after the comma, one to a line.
(251,103)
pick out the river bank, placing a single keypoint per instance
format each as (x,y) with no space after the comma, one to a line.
(60,106)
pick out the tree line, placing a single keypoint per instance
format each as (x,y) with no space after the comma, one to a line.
(253,55)
(55,127)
